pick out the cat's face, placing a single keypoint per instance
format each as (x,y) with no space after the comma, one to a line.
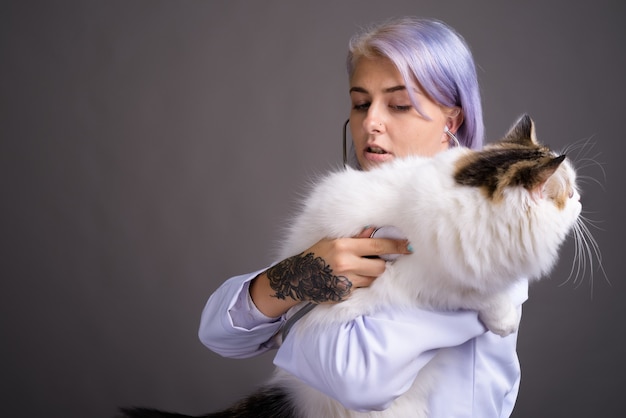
(383,121)
(518,160)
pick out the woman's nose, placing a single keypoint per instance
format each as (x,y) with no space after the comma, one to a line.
(374,122)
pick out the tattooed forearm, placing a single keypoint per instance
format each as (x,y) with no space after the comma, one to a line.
(306,277)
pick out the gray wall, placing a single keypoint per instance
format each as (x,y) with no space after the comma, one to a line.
(150,150)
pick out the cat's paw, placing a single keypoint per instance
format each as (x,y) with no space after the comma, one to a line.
(502,327)
(500,321)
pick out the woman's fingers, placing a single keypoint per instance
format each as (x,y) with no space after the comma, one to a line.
(382,246)
(359,259)
(367,232)
(399,240)
(331,269)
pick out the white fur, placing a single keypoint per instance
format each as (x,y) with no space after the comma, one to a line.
(468,250)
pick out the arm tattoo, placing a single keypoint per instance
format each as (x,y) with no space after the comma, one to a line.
(306,277)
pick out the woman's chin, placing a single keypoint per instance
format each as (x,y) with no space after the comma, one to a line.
(371,160)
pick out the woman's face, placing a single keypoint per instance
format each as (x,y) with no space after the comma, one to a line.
(384,123)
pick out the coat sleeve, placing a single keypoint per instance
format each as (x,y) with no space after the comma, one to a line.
(230,324)
(349,361)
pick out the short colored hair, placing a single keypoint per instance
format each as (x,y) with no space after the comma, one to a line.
(432,54)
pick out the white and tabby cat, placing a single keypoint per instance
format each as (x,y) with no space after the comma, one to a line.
(478,222)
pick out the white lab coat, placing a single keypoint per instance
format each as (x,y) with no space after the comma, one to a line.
(369,362)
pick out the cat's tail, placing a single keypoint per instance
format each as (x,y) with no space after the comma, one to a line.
(135,412)
(269,402)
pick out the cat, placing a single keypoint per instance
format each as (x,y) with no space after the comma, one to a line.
(479,222)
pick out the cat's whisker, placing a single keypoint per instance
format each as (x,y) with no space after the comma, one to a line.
(582,147)
(593,245)
(582,158)
(590,162)
(584,164)
(579,262)
(584,254)
(591,222)
(587,255)
(589,179)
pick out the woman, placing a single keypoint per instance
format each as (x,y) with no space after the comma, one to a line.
(414,90)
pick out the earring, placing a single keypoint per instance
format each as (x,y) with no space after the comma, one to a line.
(345,147)
(451,136)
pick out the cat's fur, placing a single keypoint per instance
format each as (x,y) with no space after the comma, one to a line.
(478,222)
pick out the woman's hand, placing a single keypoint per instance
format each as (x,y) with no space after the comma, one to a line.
(327,272)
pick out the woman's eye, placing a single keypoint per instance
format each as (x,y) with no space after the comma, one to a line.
(361,106)
(401,108)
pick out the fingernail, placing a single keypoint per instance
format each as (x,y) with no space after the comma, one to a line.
(409,248)
(367,227)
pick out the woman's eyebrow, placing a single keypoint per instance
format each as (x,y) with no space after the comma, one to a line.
(357,89)
(395,88)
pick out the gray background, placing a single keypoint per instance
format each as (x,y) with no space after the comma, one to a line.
(150,150)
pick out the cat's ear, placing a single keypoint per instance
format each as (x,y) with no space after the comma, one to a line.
(523,132)
(540,175)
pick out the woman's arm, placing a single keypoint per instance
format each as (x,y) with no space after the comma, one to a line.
(231,325)
(327,272)
(367,363)
(240,323)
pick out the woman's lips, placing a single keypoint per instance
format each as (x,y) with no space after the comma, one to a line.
(376,150)
(376,154)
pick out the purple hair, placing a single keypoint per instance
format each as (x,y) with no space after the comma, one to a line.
(435,56)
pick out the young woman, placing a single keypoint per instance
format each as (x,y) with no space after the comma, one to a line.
(414,90)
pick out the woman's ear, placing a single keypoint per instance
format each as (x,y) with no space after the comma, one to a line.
(454,119)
